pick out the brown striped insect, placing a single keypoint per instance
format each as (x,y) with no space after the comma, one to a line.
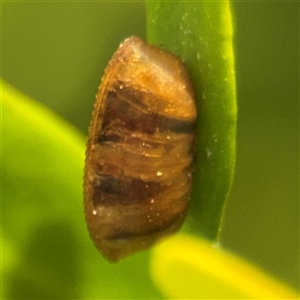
(140,149)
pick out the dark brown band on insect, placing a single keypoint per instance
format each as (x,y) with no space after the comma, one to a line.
(122,113)
(123,234)
(110,191)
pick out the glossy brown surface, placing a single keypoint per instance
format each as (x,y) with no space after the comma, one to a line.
(140,150)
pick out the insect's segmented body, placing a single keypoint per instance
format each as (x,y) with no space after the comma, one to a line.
(140,150)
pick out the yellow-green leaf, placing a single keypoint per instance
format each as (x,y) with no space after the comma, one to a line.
(189,268)
(46,248)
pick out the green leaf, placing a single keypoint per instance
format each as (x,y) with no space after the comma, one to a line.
(190,268)
(201,34)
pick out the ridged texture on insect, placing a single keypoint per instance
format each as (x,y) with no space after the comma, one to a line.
(140,150)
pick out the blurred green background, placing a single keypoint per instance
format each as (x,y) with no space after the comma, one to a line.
(56,52)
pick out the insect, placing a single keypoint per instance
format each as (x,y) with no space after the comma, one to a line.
(139,155)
